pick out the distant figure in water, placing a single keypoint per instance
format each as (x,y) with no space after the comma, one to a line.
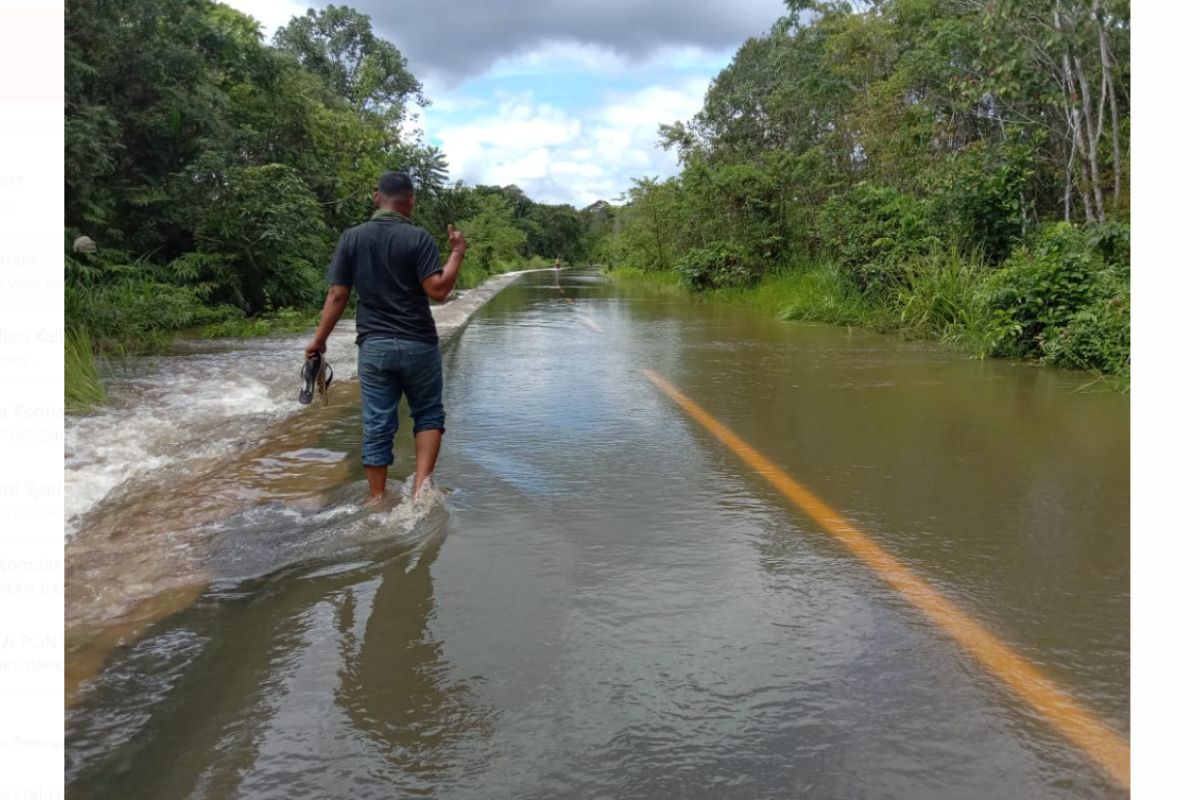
(556,263)
(397,270)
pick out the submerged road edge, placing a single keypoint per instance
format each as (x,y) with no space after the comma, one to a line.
(1105,747)
(92,635)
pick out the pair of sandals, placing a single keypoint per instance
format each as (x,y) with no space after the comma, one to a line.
(317,375)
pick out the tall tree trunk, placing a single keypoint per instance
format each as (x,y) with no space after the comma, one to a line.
(1106,65)
(1089,213)
(1069,173)
(657,233)
(1077,144)
(1074,121)
(1093,138)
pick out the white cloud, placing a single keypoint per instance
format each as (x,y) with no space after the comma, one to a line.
(565,139)
(517,123)
(575,158)
(532,166)
(584,169)
(475,36)
(273,14)
(449,104)
(656,104)
(561,55)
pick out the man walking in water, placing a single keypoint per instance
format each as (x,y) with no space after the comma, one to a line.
(396,267)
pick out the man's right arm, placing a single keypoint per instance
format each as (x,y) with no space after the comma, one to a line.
(340,277)
(439,284)
(331,312)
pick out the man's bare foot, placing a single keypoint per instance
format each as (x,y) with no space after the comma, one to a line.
(375,500)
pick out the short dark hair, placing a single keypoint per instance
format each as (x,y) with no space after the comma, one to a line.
(395,183)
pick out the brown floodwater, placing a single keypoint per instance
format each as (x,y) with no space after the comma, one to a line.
(604,600)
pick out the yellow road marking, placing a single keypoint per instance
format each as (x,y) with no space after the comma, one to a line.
(1107,748)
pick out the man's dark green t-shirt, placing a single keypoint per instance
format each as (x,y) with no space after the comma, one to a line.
(386,259)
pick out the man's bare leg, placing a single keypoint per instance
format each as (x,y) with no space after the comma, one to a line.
(376,482)
(428,444)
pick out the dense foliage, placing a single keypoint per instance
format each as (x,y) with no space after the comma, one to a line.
(214,171)
(953,168)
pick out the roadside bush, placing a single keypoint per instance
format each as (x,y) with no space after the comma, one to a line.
(1111,242)
(1097,337)
(118,303)
(979,198)
(134,315)
(1058,300)
(871,231)
(717,266)
(471,274)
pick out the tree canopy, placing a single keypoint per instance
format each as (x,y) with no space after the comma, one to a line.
(882,136)
(217,169)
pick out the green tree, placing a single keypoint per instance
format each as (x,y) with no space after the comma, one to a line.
(905,148)
(266,229)
(426,164)
(338,45)
(557,232)
(648,227)
(493,234)
(450,204)
(140,106)
(597,223)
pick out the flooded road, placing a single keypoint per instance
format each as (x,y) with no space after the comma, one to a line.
(610,603)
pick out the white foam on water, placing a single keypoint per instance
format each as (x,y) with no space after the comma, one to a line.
(273,537)
(211,399)
(180,408)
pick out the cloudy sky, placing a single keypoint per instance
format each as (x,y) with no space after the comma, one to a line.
(561,97)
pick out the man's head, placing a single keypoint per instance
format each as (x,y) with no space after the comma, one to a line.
(395,192)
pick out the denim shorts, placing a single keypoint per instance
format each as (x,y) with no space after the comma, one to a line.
(389,367)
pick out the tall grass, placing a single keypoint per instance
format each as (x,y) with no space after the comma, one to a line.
(823,293)
(285,320)
(533,262)
(944,297)
(471,274)
(661,280)
(81,384)
(809,293)
(941,296)
(133,316)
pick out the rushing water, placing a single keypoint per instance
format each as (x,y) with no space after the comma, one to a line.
(604,601)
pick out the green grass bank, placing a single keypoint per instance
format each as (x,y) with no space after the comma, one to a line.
(135,315)
(1062,300)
